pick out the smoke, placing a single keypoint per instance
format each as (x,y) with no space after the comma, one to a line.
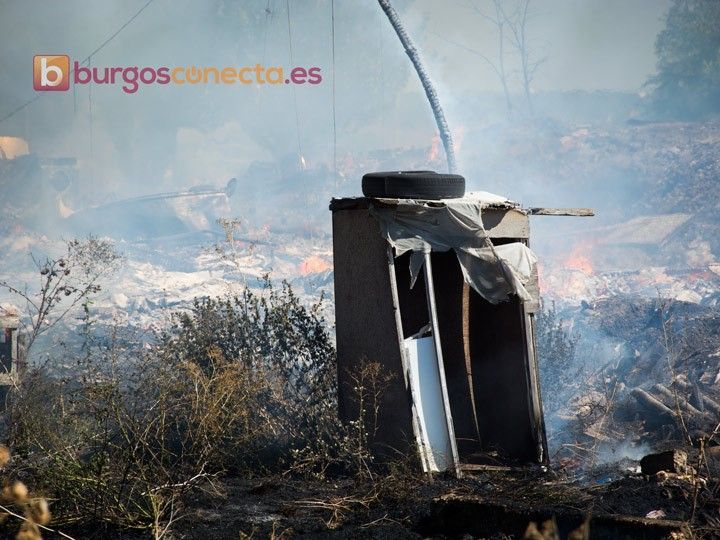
(127,143)
(612,453)
(572,148)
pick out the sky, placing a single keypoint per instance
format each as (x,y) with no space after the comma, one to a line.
(162,138)
(585,44)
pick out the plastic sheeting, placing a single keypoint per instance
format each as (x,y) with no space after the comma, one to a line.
(495,272)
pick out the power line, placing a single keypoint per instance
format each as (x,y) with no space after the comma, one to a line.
(268,15)
(108,40)
(20,108)
(292,66)
(334,130)
(87,59)
(90,120)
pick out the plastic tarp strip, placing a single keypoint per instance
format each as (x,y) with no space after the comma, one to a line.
(495,272)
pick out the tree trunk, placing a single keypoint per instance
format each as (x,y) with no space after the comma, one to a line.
(430,92)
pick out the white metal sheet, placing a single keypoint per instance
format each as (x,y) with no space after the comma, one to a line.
(427,394)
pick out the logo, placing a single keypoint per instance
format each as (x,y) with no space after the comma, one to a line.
(51,73)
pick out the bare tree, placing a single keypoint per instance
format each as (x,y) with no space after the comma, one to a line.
(498,19)
(517,23)
(511,24)
(65,283)
(427,84)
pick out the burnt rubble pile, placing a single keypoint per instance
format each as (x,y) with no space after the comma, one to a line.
(650,379)
(640,292)
(642,169)
(693,285)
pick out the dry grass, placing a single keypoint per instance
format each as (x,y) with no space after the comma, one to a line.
(244,383)
(237,384)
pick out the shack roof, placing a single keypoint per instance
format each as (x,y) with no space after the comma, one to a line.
(481,198)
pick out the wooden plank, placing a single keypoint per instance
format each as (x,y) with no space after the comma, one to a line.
(533,370)
(535,399)
(452,301)
(366,329)
(476,467)
(578,212)
(506,223)
(501,383)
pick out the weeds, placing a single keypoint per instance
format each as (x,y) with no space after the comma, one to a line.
(556,351)
(35,511)
(242,383)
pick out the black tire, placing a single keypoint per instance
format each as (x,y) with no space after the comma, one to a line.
(413,185)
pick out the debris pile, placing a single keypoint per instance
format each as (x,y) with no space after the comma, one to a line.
(646,376)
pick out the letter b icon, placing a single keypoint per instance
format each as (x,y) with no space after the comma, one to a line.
(51,73)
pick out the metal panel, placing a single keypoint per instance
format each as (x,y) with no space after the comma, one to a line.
(435,441)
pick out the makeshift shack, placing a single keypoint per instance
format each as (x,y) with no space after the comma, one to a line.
(441,294)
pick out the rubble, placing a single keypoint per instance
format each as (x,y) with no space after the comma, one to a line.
(159,278)
(673,461)
(644,378)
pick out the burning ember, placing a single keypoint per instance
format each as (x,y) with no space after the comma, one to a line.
(314,265)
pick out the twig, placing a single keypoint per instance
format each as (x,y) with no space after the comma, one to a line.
(10,512)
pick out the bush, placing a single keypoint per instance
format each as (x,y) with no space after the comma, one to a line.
(274,334)
(242,382)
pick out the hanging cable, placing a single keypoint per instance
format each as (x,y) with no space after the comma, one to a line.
(86,59)
(90,130)
(334,127)
(292,65)
(268,15)
(385,117)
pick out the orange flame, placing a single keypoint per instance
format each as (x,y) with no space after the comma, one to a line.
(579,262)
(579,259)
(434,151)
(314,265)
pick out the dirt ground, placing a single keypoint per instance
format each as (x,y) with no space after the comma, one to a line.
(489,504)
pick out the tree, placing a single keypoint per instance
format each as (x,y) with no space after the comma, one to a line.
(687,83)
(65,283)
(517,23)
(510,19)
(498,19)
